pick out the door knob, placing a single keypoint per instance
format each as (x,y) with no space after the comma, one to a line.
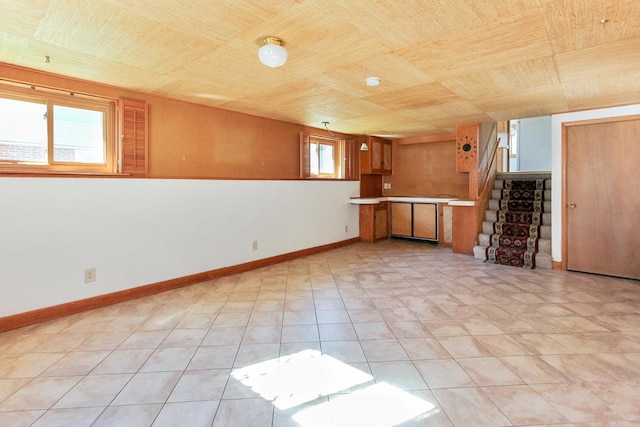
(572,205)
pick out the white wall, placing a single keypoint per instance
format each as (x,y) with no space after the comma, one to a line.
(534,144)
(556,183)
(140,231)
(504,139)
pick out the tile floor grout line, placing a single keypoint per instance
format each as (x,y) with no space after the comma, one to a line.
(516,290)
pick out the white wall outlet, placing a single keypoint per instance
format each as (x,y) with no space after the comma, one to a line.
(89,275)
(254,245)
(386,186)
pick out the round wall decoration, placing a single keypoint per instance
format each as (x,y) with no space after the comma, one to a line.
(466,150)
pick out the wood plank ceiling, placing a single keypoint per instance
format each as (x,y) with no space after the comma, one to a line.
(442,63)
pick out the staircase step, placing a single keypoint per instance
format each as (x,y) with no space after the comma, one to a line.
(479,252)
(494,205)
(543,260)
(543,255)
(496,194)
(524,176)
(492,216)
(545,230)
(544,245)
(498,184)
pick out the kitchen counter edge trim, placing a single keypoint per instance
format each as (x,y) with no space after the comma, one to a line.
(376,200)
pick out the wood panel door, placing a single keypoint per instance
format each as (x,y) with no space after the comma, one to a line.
(381,221)
(377,155)
(378,158)
(602,186)
(387,160)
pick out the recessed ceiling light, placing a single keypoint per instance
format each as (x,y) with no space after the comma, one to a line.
(372,81)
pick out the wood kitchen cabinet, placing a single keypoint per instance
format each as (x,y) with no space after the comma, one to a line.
(465,229)
(374,222)
(378,159)
(445,224)
(414,220)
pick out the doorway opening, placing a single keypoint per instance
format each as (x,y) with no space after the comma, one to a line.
(525,145)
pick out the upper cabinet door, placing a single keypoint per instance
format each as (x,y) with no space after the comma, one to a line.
(387,161)
(377,156)
(378,159)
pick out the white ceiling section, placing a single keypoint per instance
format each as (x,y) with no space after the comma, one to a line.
(441,62)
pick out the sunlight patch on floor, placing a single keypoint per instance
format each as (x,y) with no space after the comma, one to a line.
(378,405)
(299,378)
(303,377)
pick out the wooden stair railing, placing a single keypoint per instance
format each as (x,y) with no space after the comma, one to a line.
(487,170)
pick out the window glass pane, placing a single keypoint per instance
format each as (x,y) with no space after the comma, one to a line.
(313,158)
(23,130)
(78,135)
(326,157)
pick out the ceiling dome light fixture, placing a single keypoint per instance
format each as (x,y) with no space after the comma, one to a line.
(372,81)
(272,54)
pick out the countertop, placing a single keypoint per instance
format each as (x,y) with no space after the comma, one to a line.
(453,201)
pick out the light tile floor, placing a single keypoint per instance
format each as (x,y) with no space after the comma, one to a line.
(391,333)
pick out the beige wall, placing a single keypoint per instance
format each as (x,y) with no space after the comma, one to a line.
(426,169)
(190,140)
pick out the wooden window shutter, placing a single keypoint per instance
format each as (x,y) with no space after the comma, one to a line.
(134,140)
(305,155)
(351,148)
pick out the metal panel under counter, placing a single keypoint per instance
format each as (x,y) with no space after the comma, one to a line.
(412,220)
(418,218)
